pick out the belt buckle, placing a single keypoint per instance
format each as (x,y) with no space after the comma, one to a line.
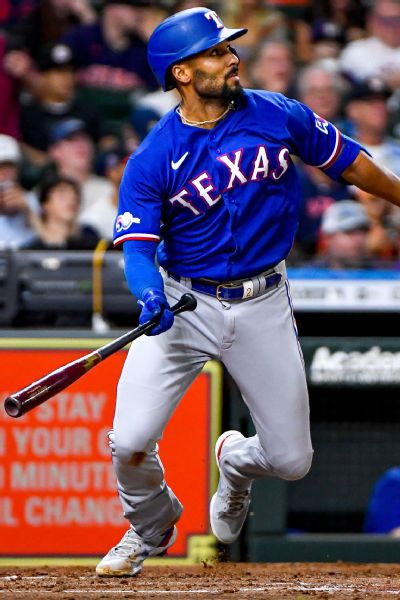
(217,291)
(225,285)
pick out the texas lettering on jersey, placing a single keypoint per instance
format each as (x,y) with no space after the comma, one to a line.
(227,198)
(205,189)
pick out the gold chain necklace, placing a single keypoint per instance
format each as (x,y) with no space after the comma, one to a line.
(186,121)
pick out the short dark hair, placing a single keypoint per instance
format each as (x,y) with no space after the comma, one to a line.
(53,181)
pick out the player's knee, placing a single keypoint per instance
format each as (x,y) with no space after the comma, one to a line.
(132,451)
(129,455)
(292,468)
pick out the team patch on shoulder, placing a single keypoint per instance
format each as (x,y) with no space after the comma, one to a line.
(125,220)
(321,124)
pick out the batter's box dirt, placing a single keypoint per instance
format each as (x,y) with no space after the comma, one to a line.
(294,581)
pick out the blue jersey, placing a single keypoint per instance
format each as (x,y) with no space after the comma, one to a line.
(224,201)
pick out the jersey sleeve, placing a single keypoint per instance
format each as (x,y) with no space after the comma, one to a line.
(318,142)
(139,205)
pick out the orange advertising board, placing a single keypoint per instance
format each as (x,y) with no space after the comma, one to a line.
(58,490)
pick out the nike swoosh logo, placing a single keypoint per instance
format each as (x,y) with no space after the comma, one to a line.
(177,164)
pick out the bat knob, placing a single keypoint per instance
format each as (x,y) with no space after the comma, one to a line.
(13,406)
(189,301)
(186,302)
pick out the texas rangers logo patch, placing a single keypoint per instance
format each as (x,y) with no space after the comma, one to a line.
(125,220)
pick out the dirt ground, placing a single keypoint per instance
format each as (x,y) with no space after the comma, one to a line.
(292,581)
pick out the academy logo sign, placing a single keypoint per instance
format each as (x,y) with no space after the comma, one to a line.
(373,366)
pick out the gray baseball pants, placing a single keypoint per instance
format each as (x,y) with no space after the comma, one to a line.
(257,342)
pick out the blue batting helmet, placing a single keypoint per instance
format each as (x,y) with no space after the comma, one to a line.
(182,35)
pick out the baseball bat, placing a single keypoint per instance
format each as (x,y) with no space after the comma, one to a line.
(41,390)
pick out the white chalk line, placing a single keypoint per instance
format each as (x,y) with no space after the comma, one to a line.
(243,590)
(150,591)
(301,586)
(214,591)
(17,577)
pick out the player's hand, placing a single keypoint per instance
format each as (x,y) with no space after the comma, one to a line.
(153,303)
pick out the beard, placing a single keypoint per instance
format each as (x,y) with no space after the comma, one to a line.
(231,93)
(208,87)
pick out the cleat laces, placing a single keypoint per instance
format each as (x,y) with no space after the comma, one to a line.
(129,546)
(235,502)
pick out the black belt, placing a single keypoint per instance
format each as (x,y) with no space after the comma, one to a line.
(235,290)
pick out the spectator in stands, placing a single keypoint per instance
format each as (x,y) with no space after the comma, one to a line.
(150,13)
(42,26)
(9,103)
(344,236)
(319,192)
(58,226)
(368,112)
(383,227)
(327,41)
(110,54)
(273,68)
(383,514)
(100,215)
(19,209)
(263,23)
(297,15)
(185,4)
(261,20)
(12,11)
(57,100)
(347,16)
(148,109)
(379,54)
(143,120)
(321,89)
(48,22)
(18,65)
(72,152)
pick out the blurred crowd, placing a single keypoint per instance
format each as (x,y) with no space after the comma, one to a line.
(77,97)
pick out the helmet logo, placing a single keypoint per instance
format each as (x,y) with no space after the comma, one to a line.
(211,14)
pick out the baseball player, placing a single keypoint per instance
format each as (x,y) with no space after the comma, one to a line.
(213,192)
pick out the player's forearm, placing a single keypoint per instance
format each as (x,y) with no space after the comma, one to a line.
(140,269)
(376,180)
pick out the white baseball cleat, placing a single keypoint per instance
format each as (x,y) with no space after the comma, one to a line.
(228,507)
(127,557)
